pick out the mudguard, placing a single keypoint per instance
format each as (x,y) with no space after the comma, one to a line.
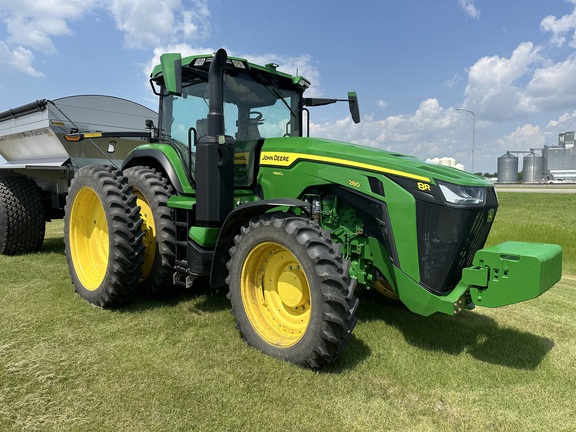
(238,217)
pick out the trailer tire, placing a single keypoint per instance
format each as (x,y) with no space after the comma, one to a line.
(291,291)
(103,236)
(22,216)
(152,191)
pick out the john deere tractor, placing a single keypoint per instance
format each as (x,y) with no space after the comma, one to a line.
(227,185)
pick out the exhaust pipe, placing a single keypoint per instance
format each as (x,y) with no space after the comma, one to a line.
(215,155)
(216,93)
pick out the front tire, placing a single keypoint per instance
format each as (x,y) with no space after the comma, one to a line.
(291,292)
(103,236)
(22,219)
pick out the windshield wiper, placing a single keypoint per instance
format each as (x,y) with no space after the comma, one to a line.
(277,93)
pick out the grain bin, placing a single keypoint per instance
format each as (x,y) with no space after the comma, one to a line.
(508,168)
(532,168)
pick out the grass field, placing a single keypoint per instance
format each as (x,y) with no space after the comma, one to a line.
(180,365)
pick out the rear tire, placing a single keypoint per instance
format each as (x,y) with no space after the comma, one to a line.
(291,291)
(152,191)
(22,218)
(103,236)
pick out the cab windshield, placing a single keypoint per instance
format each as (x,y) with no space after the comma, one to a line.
(252,110)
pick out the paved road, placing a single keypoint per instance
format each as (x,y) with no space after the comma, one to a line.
(537,190)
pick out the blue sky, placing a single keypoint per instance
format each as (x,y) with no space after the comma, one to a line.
(412,63)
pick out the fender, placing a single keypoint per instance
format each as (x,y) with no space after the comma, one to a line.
(157,158)
(240,216)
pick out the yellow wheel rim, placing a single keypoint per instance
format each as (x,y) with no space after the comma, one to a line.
(384,288)
(149,230)
(88,237)
(276,294)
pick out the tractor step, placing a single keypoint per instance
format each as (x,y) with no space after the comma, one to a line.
(182,221)
(191,260)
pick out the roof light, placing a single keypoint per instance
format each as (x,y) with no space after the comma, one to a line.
(301,81)
(199,62)
(238,64)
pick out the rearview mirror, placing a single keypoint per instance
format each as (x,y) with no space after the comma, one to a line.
(352,102)
(354,108)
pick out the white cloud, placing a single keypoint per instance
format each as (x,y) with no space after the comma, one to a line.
(152,23)
(31,25)
(552,87)
(560,26)
(381,103)
(494,90)
(501,89)
(161,25)
(522,138)
(469,8)
(566,121)
(19,59)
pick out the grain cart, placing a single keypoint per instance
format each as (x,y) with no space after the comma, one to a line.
(39,163)
(230,187)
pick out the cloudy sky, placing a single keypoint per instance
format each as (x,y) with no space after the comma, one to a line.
(412,62)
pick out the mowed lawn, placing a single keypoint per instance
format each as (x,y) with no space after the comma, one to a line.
(180,365)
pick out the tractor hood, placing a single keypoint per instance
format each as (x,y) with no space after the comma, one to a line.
(372,159)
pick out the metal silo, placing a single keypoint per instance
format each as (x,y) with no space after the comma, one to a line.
(508,168)
(532,168)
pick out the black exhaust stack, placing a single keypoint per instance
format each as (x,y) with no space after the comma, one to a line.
(215,155)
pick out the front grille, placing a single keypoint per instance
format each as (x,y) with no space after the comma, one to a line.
(448,238)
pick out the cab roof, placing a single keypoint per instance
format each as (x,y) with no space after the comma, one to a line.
(202,62)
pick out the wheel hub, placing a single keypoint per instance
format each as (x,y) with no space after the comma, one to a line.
(276,294)
(89,238)
(291,288)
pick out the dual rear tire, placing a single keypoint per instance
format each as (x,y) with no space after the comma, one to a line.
(103,236)
(118,234)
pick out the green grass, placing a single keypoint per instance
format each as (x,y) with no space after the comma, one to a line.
(180,365)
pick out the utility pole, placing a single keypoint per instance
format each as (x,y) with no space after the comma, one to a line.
(473,133)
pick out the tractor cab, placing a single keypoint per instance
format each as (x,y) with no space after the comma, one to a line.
(259,102)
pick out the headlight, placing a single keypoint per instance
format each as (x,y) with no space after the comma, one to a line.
(463,195)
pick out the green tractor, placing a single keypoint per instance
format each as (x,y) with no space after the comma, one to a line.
(228,187)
